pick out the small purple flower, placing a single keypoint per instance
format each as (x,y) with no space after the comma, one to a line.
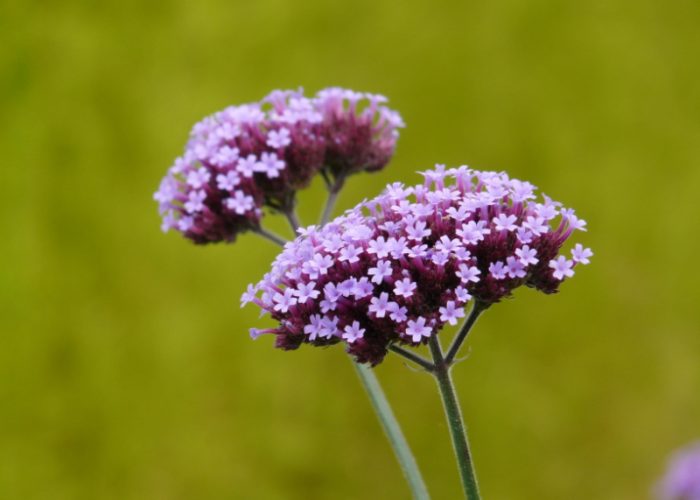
(498,270)
(402,265)
(581,255)
(306,291)
(451,313)
(397,313)
(353,332)
(404,288)
(228,181)
(381,271)
(270,165)
(562,267)
(197,178)
(379,305)
(279,138)
(248,166)
(527,255)
(505,222)
(240,202)
(682,479)
(515,268)
(418,329)
(195,201)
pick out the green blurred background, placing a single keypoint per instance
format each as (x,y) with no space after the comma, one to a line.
(126,370)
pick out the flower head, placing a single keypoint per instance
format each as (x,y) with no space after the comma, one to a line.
(245,157)
(682,479)
(400,266)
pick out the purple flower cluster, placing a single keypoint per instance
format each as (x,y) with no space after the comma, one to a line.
(253,155)
(682,480)
(398,267)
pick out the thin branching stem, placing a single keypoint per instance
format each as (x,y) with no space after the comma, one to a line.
(333,192)
(270,236)
(453,414)
(414,358)
(459,339)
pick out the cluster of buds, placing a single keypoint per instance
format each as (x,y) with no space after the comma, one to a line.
(397,268)
(246,157)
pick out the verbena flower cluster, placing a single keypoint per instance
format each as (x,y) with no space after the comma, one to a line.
(245,157)
(398,267)
(682,480)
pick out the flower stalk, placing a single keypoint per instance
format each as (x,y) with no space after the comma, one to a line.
(393,432)
(455,422)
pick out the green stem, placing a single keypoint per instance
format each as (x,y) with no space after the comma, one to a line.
(454,419)
(393,431)
(413,357)
(291,215)
(333,191)
(477,309)
(270,236)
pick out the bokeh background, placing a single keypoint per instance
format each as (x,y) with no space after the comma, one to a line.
(126,370)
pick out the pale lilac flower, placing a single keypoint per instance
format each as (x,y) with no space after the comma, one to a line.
(417,231)
(363,288)
(397,313)
(527,255)
(322,263)
(418,329)
(185,223)
(380,271)
(404,288)
(278,138)
(498,270)
(306,291)
(505,222)
(314,327)
(228,181)
(240,202)
(379,305)
(562,266)
(225,156)
(270,165)
(347,287)
(353,332)
(516,269)
(283,301)
(329,327)
(350,254)
(197,178)
(462,294)
(536,225)
(468,273)
(248,166)
(581,255)
(378,247)
(195,201)
(451,313)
